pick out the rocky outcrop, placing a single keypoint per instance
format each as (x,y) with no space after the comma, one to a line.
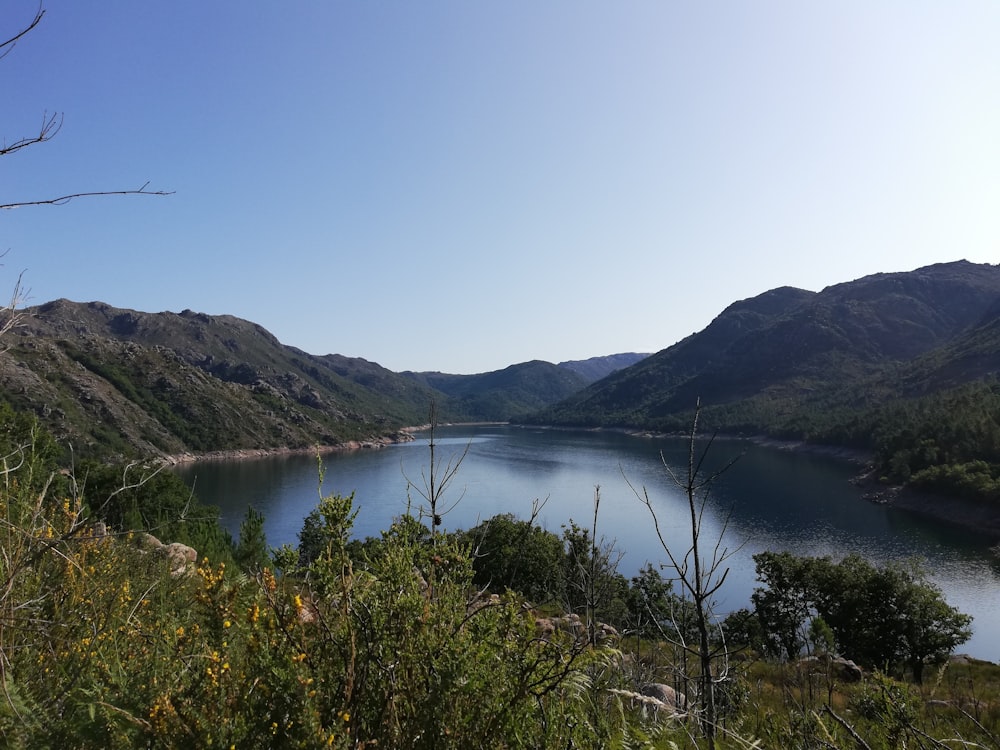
(572,624)
(836,666)
(180,558)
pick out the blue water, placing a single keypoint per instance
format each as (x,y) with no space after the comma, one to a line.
(769,499)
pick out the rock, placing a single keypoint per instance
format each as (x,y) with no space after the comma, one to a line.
(664,694)
(606,632)
(839,667)
(180,558)
(148,542)
(572,624)
(544,627)
(847,670)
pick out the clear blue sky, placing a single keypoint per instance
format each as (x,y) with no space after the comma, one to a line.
(460,186)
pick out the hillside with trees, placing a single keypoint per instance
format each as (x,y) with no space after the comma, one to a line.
(901,365)
(513,392)
(121,382)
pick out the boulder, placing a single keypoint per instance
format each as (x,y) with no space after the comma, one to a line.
(148,542)
(572,624)
(180,558)
(846,669)
(839,667)
(667,696)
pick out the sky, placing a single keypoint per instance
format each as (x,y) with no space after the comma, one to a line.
(460,186)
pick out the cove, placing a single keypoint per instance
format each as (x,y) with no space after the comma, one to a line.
(769,499)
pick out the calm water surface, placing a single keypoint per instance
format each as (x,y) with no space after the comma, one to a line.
(773,500)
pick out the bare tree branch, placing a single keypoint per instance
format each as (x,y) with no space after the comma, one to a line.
(63,199)
(10,314)
(701,578)
(50,126)
(8,45)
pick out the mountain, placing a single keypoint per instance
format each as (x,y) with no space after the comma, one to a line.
(765,359)
(108,380)
(515,391)
(596,368)
(519,390)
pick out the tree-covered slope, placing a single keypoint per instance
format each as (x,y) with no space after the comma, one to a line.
(504,394)
(764,359)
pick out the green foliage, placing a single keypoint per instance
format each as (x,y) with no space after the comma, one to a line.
(512,554)
(656,612)
(782,604)
(593,584)
(136,497)
(887,617)
(251,552)
(382,643)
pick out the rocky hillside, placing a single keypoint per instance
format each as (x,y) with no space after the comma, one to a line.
(764,360)
(107,381)
(113,381)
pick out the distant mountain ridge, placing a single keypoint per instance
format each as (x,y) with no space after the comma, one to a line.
(788,362)
(108,380)
(595,368)
(762,358)
(520,389)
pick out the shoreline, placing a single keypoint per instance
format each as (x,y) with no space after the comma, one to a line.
(960,513)
(248,454)
(402,435)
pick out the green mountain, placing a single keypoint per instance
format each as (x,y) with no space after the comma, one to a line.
(766,361)
(519,390)
(108,381)
(113,381)
(513,392)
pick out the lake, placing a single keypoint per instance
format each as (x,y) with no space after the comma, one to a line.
(769,499)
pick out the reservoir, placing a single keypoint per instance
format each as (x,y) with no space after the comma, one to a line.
(768,499)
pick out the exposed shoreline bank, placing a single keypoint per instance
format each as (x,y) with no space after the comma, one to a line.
(402,435)
(248,454)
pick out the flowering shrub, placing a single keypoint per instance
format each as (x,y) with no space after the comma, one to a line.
(103,645)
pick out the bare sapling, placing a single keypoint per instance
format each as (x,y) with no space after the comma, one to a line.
(700,576)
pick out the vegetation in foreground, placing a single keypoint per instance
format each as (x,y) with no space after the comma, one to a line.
(419,638)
